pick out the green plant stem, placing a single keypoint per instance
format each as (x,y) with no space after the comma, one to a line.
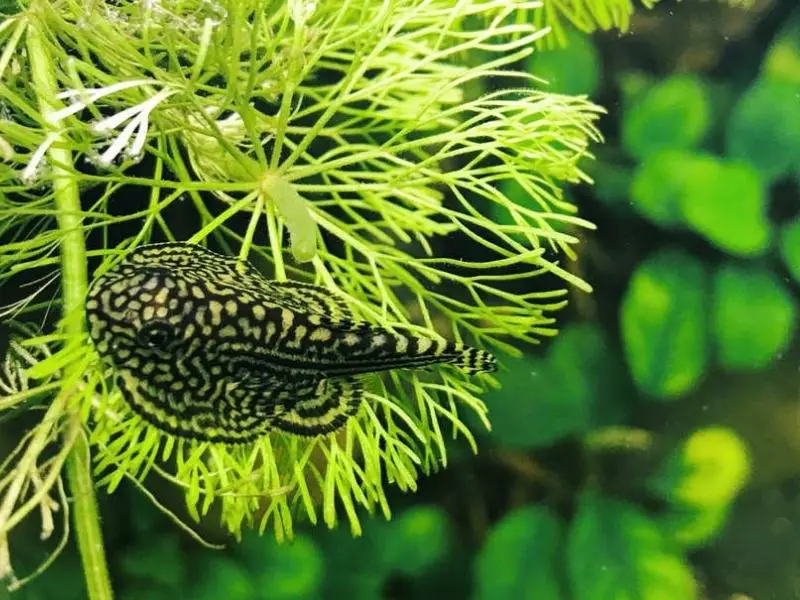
(74,285)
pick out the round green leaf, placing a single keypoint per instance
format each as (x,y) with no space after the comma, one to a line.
(416,541)
(9,7)
(290,571)
(222,577)
(706,471)
(673,114)
(691,527)
(700,480)
(663,321)
(783,58)
(589,373)
(790,248)
(135,592)
(664,180)
(520,558)
(764,129)
(159,560)
(754,317)
(612,182)
(579,385)
(634,86)
(353,566)
(614,552)
(728,206)
(527,412)
(63,580)
(573,69)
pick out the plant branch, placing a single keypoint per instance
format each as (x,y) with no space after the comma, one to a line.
(74,285)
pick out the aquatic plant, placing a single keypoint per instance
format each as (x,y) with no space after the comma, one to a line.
(330,142)
(588,16)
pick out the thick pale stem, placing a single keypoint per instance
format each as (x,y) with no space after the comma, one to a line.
(294,209)
(74,285)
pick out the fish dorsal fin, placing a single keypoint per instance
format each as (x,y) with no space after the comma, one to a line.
(307,297)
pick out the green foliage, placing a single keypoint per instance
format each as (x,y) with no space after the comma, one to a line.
(260,569)
(142,592)
(579,385)
(666,181)
(584,15)
(411,547)
(323,142)
(591,15)
(292,571)
(764,129)
(790,247)
(521,557)
(612,183)
(705,472)
(728,206)
(673,114)
(572,69)
(664,326)
(723,201)
(416,541)
(782,61)
(388,182)
(700,479)
(353,568)
(675,311)
(160,562)
(9,7)
(615,552)
(694,527)
(753,317)
(676,315)
(611,548)
(522,412)
(221,577)
(63,580)
(521,201)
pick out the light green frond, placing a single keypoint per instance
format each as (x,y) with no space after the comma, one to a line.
(588,16)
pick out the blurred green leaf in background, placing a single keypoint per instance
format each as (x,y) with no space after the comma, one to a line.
(521,558)
(666,181)
(673,114)
(573,69)
(754,317)
(790,248)
(415,541)
(764,129)
(728,206)
(615,552)
(700,479)
(577,386)
(664,326)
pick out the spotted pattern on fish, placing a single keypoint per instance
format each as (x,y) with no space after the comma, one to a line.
(205,347)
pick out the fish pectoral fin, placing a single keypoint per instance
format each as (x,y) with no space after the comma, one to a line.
(324,409)
(186,414)
(258,374)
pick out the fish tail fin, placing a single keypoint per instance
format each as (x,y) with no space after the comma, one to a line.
(475,360)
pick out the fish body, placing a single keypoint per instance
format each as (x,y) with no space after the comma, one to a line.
(206,347)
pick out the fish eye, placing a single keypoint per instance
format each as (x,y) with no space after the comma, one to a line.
(156,334)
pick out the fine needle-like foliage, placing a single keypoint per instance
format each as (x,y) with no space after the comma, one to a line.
(329,142)
(590,15)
